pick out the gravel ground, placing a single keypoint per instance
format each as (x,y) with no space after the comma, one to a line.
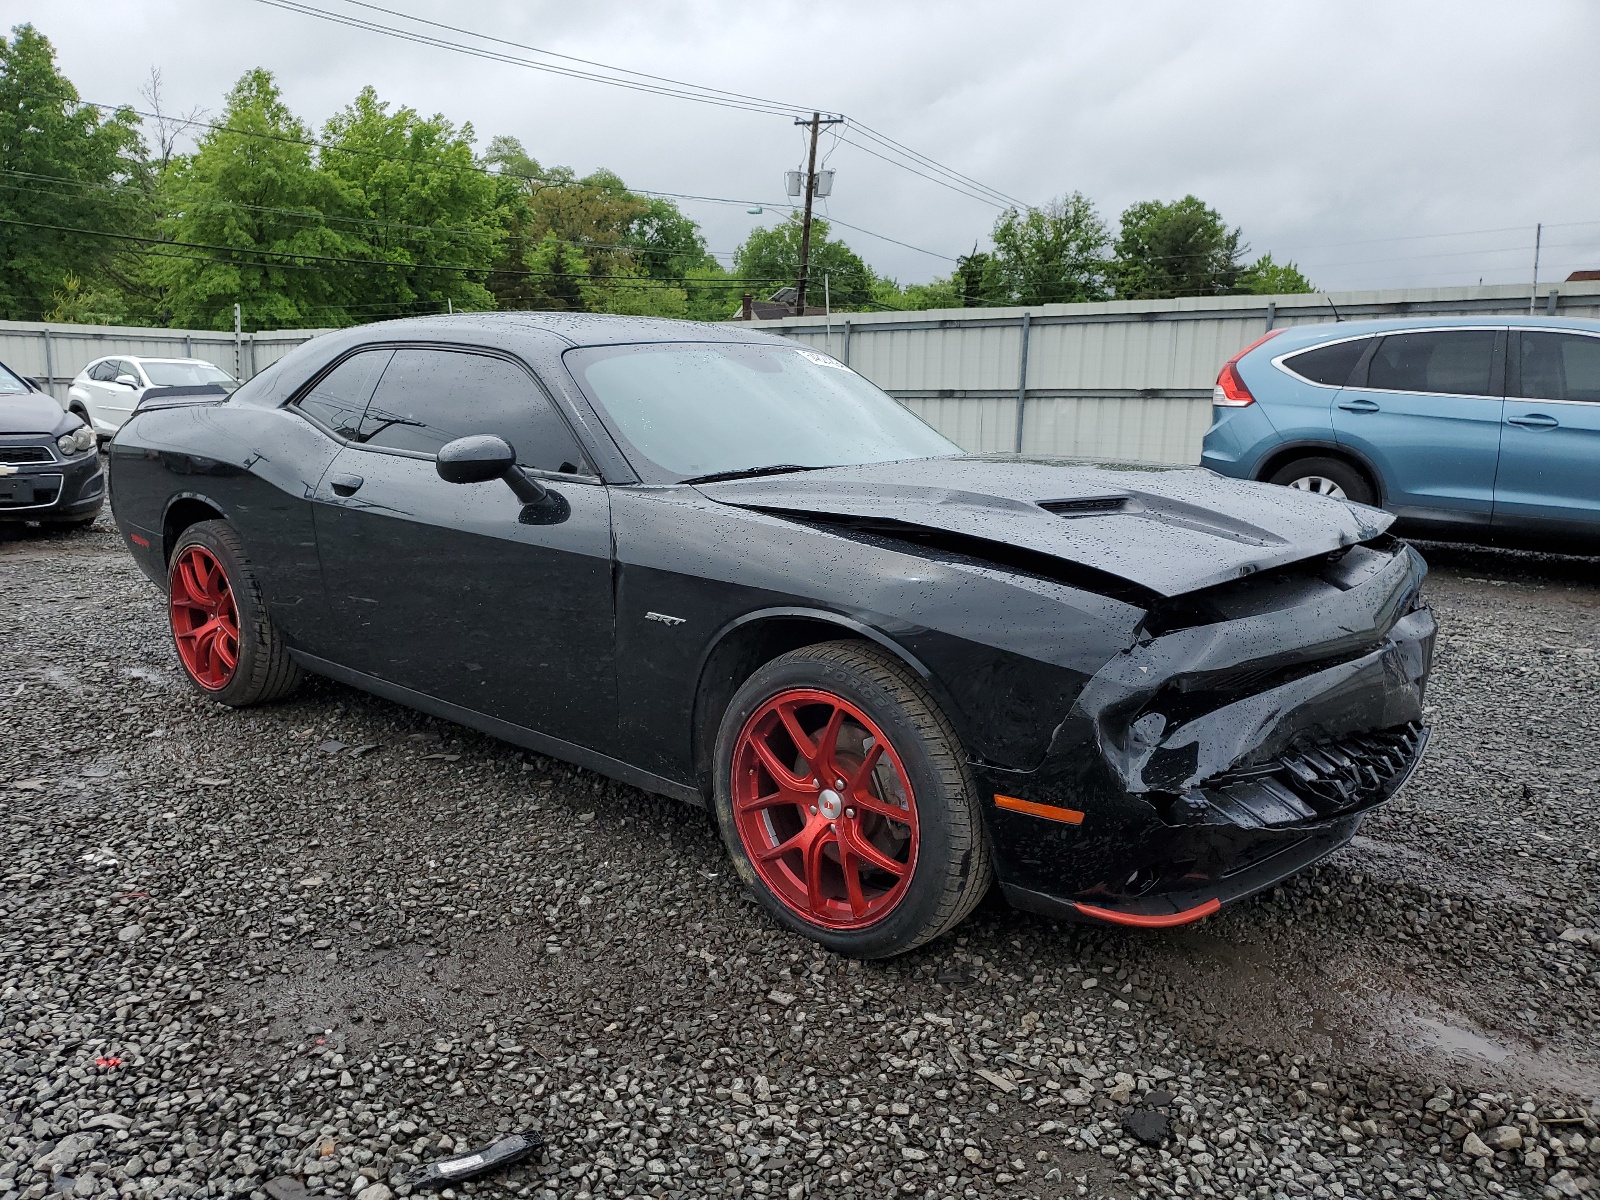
(310,947)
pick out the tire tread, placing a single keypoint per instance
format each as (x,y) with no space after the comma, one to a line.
(969,868)
(273,673)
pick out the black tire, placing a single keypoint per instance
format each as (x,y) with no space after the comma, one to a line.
(1352,482)
(264,671)
(952,869)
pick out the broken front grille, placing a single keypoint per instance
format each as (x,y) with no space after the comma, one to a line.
(1316,782)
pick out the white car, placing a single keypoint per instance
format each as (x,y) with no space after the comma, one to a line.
(106,392)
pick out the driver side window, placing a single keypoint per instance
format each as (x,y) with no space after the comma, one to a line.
(429,397)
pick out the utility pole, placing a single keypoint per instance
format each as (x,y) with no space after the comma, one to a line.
(816,122)
(1533,296)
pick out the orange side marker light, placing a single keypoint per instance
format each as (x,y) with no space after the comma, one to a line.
(1067,816)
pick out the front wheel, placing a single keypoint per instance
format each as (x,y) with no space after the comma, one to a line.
(844,798)
(226,641)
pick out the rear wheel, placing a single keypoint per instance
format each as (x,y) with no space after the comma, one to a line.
(1326,477)
(844,798)
(225,640)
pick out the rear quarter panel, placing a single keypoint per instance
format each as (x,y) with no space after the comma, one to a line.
(257,467)
(1297,410)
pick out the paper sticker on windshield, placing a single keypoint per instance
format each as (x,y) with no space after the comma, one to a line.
(822,360)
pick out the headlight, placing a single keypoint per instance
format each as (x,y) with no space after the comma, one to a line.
(76,442)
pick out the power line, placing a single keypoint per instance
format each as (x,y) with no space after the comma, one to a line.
(967,180)
(639,82)
(690,92)
(660,79)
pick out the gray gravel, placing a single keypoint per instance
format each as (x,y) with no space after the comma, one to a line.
(321,944)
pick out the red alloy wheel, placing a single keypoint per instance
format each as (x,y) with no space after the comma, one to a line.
(824,809)
(205,622)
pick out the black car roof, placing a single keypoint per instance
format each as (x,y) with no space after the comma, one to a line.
(575,329)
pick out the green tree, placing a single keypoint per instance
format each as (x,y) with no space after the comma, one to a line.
(1177,249)
(590,243)
(1267,278)
(253,189)
(516,177)
(665,243)
(713,294)
(629,291)
(558,275)
(940,293)
(977,280)
(77,303)
(1049,255)
(408,191)
(65,166)
(773,254)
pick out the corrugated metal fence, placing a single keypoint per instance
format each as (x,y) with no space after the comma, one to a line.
(1126,380)
(54,354)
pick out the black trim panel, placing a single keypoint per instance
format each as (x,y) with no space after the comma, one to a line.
(517,735)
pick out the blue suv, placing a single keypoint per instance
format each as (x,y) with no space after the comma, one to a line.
(1482,429)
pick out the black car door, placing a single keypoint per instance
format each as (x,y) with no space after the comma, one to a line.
(439,587)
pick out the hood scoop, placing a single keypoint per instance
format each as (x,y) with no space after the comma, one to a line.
(1089,506)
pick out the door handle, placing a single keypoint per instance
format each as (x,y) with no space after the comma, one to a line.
(1534,421)
(345,485)
(1362,406)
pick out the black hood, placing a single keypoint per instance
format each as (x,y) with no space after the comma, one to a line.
(30,412)
(1169,530)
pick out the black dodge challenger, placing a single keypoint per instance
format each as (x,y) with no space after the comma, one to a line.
(719,565)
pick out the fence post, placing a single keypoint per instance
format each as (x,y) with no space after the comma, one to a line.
(49,366)
(847,343)
(1022,376)
(1272,313)
(188,345)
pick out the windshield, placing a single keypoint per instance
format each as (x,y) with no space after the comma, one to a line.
(687,409)
(186,374)
(10,384)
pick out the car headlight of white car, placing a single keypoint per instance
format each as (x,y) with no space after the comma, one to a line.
(76,442)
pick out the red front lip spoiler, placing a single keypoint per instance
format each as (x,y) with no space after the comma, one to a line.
(1138,920)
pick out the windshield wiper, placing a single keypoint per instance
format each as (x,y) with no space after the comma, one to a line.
(748,472)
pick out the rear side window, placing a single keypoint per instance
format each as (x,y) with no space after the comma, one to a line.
(340,397)
(1329,364)
(103,372)
(1454,362)
(429,397)
(1559,366)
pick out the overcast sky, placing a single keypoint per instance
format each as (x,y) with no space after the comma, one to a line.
(1376,144)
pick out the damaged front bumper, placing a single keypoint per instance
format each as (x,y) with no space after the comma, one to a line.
(1216,757)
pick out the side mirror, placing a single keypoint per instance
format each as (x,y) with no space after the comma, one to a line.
(475,459)
(127,381)
(482,457)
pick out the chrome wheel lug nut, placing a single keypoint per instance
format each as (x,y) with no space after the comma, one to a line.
(850,812)
(813,810)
